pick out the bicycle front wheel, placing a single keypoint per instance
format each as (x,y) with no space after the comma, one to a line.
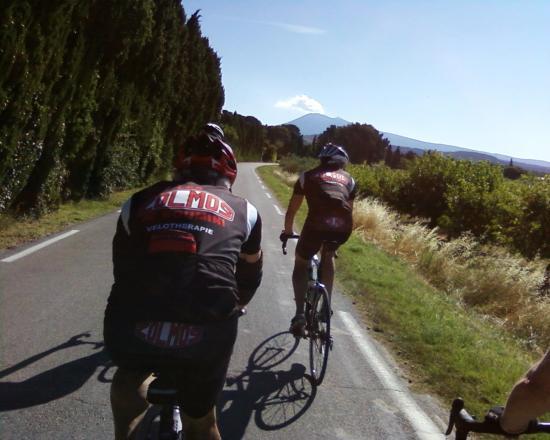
(320,341)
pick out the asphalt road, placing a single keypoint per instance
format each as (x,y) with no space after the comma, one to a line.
(55,378)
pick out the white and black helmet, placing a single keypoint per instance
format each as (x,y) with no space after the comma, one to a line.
(214,130)
(334,154)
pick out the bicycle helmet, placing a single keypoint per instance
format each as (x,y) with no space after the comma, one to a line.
(207,158)
(214,130)
(334,155)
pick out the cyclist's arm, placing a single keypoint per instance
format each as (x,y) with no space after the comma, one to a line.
(353,193)
(529,398)
(123,252)
(248,272)
(294,204)
(293,207)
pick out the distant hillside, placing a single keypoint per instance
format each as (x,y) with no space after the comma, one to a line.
(403,141)
(418,147)
(314,124)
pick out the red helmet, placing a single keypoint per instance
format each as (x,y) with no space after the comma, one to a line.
(207,153)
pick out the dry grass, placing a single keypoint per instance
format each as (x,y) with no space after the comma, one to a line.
(504,287)
(287,178)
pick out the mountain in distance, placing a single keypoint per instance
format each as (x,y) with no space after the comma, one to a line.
(315,123)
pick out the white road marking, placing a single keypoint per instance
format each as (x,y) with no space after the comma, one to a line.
(268,195)
(423,426)
(278,210)
(39,246)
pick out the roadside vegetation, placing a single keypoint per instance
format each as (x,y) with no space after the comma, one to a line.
(465,319)
(15,231)
(97,96)
(460,197)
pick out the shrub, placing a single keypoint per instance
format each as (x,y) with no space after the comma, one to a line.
(297,164)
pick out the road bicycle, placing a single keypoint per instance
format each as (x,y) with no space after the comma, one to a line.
(164,422)
(317,314)
(464,423)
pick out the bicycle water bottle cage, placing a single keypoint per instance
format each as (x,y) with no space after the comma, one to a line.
(313,264)
(162,393)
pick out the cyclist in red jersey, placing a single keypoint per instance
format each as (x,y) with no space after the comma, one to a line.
(329,191)
(186,257)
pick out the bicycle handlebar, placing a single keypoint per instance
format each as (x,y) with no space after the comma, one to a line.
(284,238)
(465,423)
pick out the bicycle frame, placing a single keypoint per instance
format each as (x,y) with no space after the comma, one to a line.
(166,395)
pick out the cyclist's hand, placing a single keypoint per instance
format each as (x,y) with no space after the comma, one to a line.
(285,235)
(494,415)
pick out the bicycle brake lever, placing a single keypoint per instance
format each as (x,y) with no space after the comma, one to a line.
(457,406)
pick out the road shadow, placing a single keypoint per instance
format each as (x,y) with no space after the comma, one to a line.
(56,382)
(275,397)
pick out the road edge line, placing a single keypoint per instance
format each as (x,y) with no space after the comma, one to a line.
(37,247)
(423,426)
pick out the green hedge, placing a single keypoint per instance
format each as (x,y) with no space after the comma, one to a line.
(461,196)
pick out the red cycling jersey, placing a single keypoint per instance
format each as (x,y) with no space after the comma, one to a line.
(328,192)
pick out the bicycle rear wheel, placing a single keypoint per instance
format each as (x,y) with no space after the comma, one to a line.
(320,341)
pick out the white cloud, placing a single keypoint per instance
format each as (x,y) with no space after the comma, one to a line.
(298,29)
(295,28)
(301,103)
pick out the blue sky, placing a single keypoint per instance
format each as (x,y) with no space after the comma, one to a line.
(475,74)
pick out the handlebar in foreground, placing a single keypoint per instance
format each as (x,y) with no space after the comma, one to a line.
(464,423)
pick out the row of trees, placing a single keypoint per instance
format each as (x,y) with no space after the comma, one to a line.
(252,140)
(363,143)
(97,95)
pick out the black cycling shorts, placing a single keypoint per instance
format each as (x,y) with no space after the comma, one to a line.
(199,370)
(310,241)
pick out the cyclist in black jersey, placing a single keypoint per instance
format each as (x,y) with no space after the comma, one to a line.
(186,257)
(329,191)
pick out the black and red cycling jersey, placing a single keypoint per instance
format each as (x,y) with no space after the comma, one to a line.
(175,252)
(329,192)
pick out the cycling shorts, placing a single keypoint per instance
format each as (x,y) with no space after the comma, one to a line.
(311,240)
(201,382)
(199,369)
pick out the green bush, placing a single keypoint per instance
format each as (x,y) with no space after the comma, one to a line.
(461,196)
(297,164)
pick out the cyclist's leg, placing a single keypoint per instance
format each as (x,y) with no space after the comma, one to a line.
(128,400)
(529,398)
(299,282)
(203,378)
(335,239)
(308,245)
(203,428)
(327,268)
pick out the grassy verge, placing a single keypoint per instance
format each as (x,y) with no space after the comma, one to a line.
(14,232)
(447,350)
